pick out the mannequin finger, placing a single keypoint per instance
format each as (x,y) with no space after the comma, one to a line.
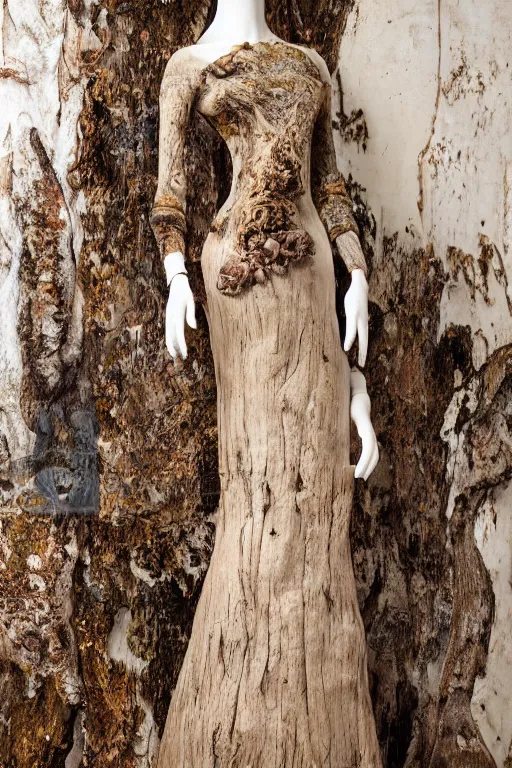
(170,346)
(169,341)
(176,320)
(350,332)
(374,460)
(362,335)
(364,460)
(180,337)
(171,350)
(191,312)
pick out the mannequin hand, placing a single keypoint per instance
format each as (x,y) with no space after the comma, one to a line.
(180,305)
(360,413)
(356,313)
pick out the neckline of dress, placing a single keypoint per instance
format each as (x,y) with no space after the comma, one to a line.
(241,46)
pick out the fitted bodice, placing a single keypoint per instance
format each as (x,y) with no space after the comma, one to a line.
(264,100)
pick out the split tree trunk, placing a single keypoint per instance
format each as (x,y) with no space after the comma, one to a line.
(96,602)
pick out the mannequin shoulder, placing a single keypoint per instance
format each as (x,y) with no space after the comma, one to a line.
(319,61)
(199,55)
(184,62)
(194,58)
(313,55)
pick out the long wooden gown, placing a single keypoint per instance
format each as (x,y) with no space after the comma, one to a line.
(275,672)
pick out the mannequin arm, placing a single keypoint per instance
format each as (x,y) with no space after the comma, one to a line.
(330,194)
(335,209)
(360,412)
(167,218)
(356,313)
(168,214)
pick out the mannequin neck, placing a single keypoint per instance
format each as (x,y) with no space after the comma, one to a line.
(238,21)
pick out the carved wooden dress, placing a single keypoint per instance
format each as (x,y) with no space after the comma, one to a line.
(275,672)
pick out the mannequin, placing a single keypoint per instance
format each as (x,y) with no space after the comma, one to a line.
(275,671)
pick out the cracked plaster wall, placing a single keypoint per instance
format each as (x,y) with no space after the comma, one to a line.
(433,82)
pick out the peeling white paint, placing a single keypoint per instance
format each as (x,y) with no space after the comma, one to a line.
(146,743)
(34,562)
(465,172)
(456,463)
(142,574)
(5,549)
(41,46)
(118,648)
(12,425)
(36,582)
(452,128)
(491,705)
(434,81)
(388,68)
(32,686)
(75,755)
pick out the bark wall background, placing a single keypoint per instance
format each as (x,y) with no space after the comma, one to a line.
(108,452)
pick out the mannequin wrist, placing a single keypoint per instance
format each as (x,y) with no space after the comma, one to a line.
(358,276)
(357,383)
(185,274)
(360,409)
(361,399)
(174,264)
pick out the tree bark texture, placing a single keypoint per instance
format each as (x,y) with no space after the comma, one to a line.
(108,474)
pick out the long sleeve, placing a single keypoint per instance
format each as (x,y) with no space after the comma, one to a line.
(177,93)
(329,191)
